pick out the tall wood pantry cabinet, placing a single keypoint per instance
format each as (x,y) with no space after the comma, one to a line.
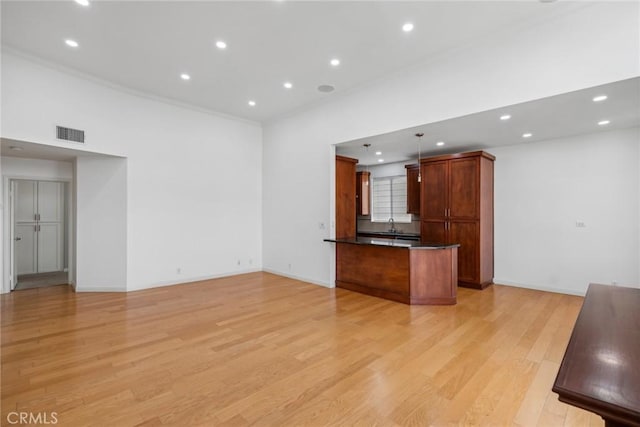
(345,197)
(457,207)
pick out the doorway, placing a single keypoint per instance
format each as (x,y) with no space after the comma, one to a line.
(38,227)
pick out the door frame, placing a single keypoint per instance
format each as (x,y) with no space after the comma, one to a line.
(9,279)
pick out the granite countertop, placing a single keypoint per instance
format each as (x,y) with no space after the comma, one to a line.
(398,243)
(398,235)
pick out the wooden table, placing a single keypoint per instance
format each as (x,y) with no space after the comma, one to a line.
(600,371)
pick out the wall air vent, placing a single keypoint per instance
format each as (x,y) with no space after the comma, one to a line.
(69,134)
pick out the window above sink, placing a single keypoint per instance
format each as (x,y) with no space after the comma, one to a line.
(389,199)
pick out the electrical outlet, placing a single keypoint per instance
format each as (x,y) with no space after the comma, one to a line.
(238,262)
(580,224)
(250,261)
(289,266)
(321,225)
(178,270)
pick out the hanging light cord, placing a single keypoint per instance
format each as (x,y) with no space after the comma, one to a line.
(419,135)
(366,167)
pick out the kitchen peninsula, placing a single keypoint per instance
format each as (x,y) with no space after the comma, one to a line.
(400,270)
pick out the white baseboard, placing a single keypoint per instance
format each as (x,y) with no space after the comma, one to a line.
(98,289)
(193,279)
(540,288)
(302,279)
(199,279)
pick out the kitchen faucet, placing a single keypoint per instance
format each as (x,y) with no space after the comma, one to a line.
(393,225)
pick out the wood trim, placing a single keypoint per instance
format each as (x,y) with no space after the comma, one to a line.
(346,159)
(474,285)
(458,156)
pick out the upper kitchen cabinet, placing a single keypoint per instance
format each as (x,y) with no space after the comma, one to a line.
(413,189)
(363,194)
(457,207)
(345,197)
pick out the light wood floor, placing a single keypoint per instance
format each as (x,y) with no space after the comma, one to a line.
(267,350)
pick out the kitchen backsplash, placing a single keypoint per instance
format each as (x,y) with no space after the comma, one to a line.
(365,225)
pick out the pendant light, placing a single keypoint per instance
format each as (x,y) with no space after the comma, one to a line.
(366,166)
(419,135)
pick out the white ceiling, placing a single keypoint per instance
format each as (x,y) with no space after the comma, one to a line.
(572,113)
(145,46)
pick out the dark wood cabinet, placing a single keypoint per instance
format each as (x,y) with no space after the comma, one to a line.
(457,207)
(434,190)
(345,197)
(363,194)
(416,275)
(413,189)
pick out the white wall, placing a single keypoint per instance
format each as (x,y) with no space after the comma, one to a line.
(562,55)
(193,178)
(101,192)
(16,167)
(542,189)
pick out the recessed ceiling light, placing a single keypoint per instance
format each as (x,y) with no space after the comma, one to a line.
(15,148)
(604,122)
(185,76)
(252,103)
(378,153)
(440,143)
(407,27)
(599,98)
(287,85)
(83,2)
(335,62)
(527,135)
(505,117)
(221,45)
(380,160)
(71,43)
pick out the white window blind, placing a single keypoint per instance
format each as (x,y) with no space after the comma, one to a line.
(389,199)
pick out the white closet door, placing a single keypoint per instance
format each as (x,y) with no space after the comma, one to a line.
(26,243)
(50,226)
(26,201)
(49,247)
(26,249)
(39,226)
(50,201)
